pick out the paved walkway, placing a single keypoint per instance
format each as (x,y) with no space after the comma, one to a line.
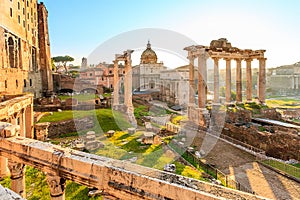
(242,167)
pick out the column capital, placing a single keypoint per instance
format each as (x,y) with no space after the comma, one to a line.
(56,184)
(191,57)
(248,59)
(227,59)
(215,59)
(16,169)
(264,59)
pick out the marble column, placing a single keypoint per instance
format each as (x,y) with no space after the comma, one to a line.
(262,81)
(116,83)
(239,97)
(17,177)
(228,81)
(128,81)
(202,80)
(216,81)
(248,80)
(57,187)
(191,82)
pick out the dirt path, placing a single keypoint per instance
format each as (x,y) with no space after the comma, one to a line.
(242,167)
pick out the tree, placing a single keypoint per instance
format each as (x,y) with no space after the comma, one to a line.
(63,60)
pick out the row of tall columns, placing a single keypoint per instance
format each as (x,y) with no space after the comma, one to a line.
(202,80)
(261,80)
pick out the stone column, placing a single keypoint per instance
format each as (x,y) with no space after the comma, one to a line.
(228,81)
(17,177)
(57,187)
(261,92)
(216,81)
(29,121)
(248,80)
(128,81)
(116,84)
(191,81)
(202,80)
(3,167)
(239,97)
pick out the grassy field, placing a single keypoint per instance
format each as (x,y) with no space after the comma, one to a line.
(283,102)
(105,119)
(79,97)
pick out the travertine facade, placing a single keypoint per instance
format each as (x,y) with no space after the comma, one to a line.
(24,48)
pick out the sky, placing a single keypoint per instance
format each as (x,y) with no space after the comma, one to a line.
(78,27)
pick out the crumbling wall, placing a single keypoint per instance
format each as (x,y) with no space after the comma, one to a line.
(69,126)
(281,144)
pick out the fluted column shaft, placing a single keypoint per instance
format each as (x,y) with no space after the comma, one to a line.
(228,81)
(248,80)
(239,97)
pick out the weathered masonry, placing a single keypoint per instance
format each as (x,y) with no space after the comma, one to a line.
(222,49)
(115,178)
(127,106)
(25,62)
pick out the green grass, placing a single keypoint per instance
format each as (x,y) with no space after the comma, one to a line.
(79,97)
(289,169)
(283,103)
(297,165)
(66,115)
(37,187)
(105,119)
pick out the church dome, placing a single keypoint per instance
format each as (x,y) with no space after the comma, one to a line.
(148,56)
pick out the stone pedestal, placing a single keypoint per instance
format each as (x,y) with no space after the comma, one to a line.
(17,177)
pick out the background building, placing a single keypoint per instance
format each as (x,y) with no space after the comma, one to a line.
(146,75)
(284,80)
(25,62)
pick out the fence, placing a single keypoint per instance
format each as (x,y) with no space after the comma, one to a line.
(209,169)
(283,167)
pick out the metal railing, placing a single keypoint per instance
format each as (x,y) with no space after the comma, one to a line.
(282,167)
(226,180)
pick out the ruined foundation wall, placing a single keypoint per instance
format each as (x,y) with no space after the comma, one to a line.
(69,126)
(281,144)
